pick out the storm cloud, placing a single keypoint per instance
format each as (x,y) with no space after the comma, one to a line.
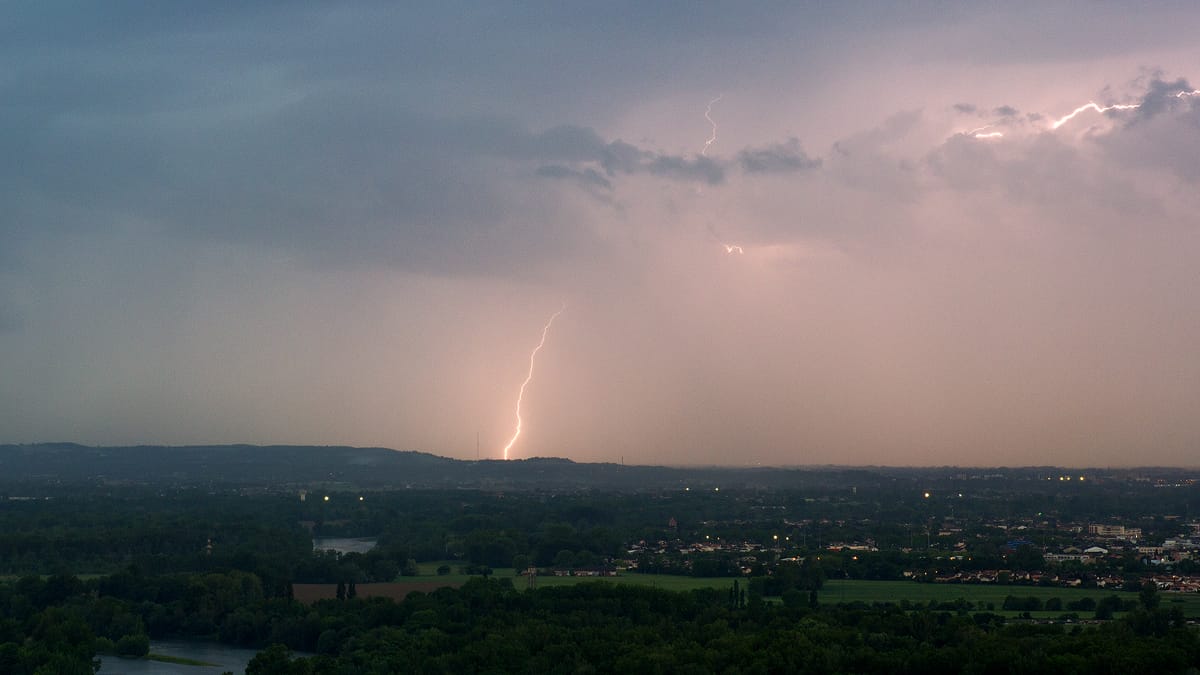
(282,223)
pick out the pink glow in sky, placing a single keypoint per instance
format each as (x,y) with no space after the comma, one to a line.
(925,234)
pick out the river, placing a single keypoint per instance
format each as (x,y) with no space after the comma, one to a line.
(224,659)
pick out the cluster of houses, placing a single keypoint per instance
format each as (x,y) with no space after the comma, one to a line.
(598,571)
(1172,583)
(1108,543)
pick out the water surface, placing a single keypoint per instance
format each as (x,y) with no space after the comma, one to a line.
(344,544)
(225,659)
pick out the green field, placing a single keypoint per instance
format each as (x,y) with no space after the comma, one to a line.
(669,582)
(839,590)
(849,590)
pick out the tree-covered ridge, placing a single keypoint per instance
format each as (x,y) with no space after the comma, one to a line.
(273,467)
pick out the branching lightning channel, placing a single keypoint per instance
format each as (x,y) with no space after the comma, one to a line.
(529,376)
(1092,105)
(708,116)
(734,248)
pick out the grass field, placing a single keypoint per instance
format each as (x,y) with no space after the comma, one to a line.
(849,590)
(839,590)
(666,581)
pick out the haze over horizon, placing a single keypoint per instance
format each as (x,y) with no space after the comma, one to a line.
(324,225)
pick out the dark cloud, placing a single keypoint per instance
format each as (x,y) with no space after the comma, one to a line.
(357,176)
(299,221)
(786,157)
(1163,96)
(620,157)
(1163,133)
(681,168)
(587,177)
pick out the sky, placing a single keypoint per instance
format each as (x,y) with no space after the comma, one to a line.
(783,233)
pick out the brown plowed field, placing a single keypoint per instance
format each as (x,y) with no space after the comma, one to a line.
(309,593)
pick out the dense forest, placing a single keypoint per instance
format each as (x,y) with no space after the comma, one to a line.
(58,625)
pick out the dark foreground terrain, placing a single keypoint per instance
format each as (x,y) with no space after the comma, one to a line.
(554,566)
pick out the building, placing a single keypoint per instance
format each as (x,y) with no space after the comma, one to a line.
(1115,532)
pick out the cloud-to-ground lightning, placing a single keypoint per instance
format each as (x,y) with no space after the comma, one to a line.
(529,376)
(729,248)
(1092,105)
(708,116)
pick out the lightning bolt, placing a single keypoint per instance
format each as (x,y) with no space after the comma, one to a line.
(729,248)
(708,116)
(1091,105)
(529,376)
(979,132)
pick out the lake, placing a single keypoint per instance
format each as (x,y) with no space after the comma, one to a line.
(344,544)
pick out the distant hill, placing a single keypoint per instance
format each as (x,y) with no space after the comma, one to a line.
(279,465)
(287,466)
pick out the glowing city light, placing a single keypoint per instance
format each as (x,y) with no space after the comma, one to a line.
(708,116)
(529,376)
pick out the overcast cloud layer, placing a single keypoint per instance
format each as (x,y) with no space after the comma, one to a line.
(299,223)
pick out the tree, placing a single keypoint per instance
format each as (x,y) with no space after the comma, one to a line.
(1148,595)
(276,660)
(1106,607)
(564,559)
(793,598)
(341,590)
(135,646)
